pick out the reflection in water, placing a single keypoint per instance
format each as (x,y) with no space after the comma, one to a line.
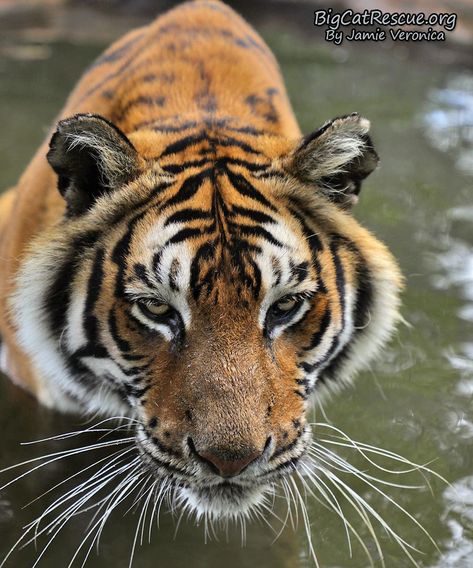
(449,127)
(459,504)
(6,512)
(449,120)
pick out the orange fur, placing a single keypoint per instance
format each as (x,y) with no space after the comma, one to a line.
(162,48)
(188,259)
(200,66)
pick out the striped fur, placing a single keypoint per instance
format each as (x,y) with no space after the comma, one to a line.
(189,185)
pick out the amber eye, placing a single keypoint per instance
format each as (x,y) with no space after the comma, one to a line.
(286,304)
(153,309)
(282,311)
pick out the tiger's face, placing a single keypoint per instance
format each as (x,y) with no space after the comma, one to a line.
(207,291)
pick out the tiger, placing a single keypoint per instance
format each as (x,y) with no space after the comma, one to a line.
(179,253)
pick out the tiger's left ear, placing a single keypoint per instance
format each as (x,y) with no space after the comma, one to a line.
(92,157)
(336,158)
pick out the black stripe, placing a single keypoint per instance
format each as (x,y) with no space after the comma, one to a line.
(173,273)
(187,233)
(141,272)
(120,253)
(317,337)
(154,461)
(256,277)
(364,297)
(247,130)
(154,123)
(205,252)
(188,189)
(122,344)
(299,272)
(243,186)
(178,168)
(163,448)
(183,144)
(255,231)
(94,285)
(115,54)
(186,215)
(140,100)
(364,300)
(340,284)
(57,300)
(230,141)
(250,166)
(285,449)
(339,276)
(256,216)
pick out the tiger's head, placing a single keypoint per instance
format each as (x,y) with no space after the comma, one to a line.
(207,285)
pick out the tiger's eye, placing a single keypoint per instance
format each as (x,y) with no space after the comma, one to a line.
(286,305)
(155,309)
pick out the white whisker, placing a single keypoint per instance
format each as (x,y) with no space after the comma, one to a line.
(305,517)
(56,456)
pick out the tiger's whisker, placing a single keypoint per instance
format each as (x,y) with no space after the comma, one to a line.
(363,477)
(56,456)
(118,454)
(331,501)
(289,502)
(34,526)
(324,489)
(116,498)
(149,498)
(61,520)
(306,520)
(91,429)
(296,508)
(363,447)
(342,465)
(90,490)
(344,488)
(140,520)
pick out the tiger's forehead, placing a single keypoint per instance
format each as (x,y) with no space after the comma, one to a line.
(212,236)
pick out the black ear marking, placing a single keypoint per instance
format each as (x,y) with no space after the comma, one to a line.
(336,158)
(92,157)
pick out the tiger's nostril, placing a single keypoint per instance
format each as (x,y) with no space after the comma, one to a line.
(222,462)
(267,444)
(227,467)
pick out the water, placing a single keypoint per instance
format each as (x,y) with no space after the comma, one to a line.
(416,401)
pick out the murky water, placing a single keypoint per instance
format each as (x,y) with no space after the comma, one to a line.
(416,401)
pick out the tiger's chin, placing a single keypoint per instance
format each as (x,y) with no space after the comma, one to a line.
(223,501)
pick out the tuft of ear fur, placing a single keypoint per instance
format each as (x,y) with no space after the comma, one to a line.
(336,158)
(92,157)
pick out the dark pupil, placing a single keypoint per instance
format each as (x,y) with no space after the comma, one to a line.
(277,314)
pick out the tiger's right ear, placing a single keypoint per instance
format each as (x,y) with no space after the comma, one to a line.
(92,157)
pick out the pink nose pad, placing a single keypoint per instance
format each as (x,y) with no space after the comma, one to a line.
(228,468)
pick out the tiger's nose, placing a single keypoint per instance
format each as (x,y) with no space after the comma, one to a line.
(228,467)
(221,463)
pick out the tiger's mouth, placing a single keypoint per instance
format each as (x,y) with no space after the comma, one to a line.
(225,500)
(203,493)
(208,496)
